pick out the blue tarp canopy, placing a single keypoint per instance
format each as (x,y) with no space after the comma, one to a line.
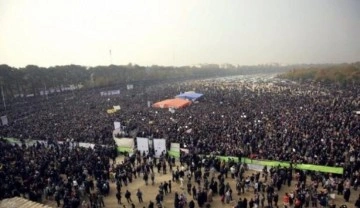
(190,95)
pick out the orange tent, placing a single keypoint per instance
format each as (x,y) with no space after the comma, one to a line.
(172,103)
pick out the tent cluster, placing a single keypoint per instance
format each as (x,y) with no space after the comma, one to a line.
(180,101)
(193,96)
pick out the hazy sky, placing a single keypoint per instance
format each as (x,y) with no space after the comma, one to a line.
(182,32)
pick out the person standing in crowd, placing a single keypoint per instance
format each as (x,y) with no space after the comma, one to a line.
(276,199)
(286,200)
(128,196)
(100,198)
(169,186)
(152,175)
(118,197)
(139,194)
(146,178)
(166,188)
(347,194)
(357,203)
(151,204)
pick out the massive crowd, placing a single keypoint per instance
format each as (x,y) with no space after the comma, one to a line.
(268,120)
(48,170)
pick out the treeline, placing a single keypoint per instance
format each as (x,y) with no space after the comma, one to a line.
(338,73)
(33,80)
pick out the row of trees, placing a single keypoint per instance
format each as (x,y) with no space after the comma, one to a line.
(33,79)
(340,73)
(30,79)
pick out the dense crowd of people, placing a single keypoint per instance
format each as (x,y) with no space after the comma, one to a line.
(288,119)
(48,170)
(283,121)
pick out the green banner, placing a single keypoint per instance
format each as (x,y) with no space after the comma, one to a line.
(319,168)
(226,158)
(269,163)
(12,140)
(124,149)
(174,154)
(174,150)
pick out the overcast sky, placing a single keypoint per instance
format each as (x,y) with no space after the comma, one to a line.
(182,32)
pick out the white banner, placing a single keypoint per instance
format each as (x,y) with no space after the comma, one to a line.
(159,146)
(117,125)
(255,167)
(117,107)
(142,144)
(4,120)
(110,92)
(87,145)
(115,92)
(130,87)
(124,142)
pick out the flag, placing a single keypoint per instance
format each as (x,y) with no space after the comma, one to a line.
(184,150)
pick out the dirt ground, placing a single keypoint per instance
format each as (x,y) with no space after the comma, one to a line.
(150,192)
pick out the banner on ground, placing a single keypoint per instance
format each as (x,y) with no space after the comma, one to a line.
(174,150)
(159,146)
(124,144)
(4,120)
(142,144)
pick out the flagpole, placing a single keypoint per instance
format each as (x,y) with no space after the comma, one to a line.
(110,57)
(46,94)
(3,97)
